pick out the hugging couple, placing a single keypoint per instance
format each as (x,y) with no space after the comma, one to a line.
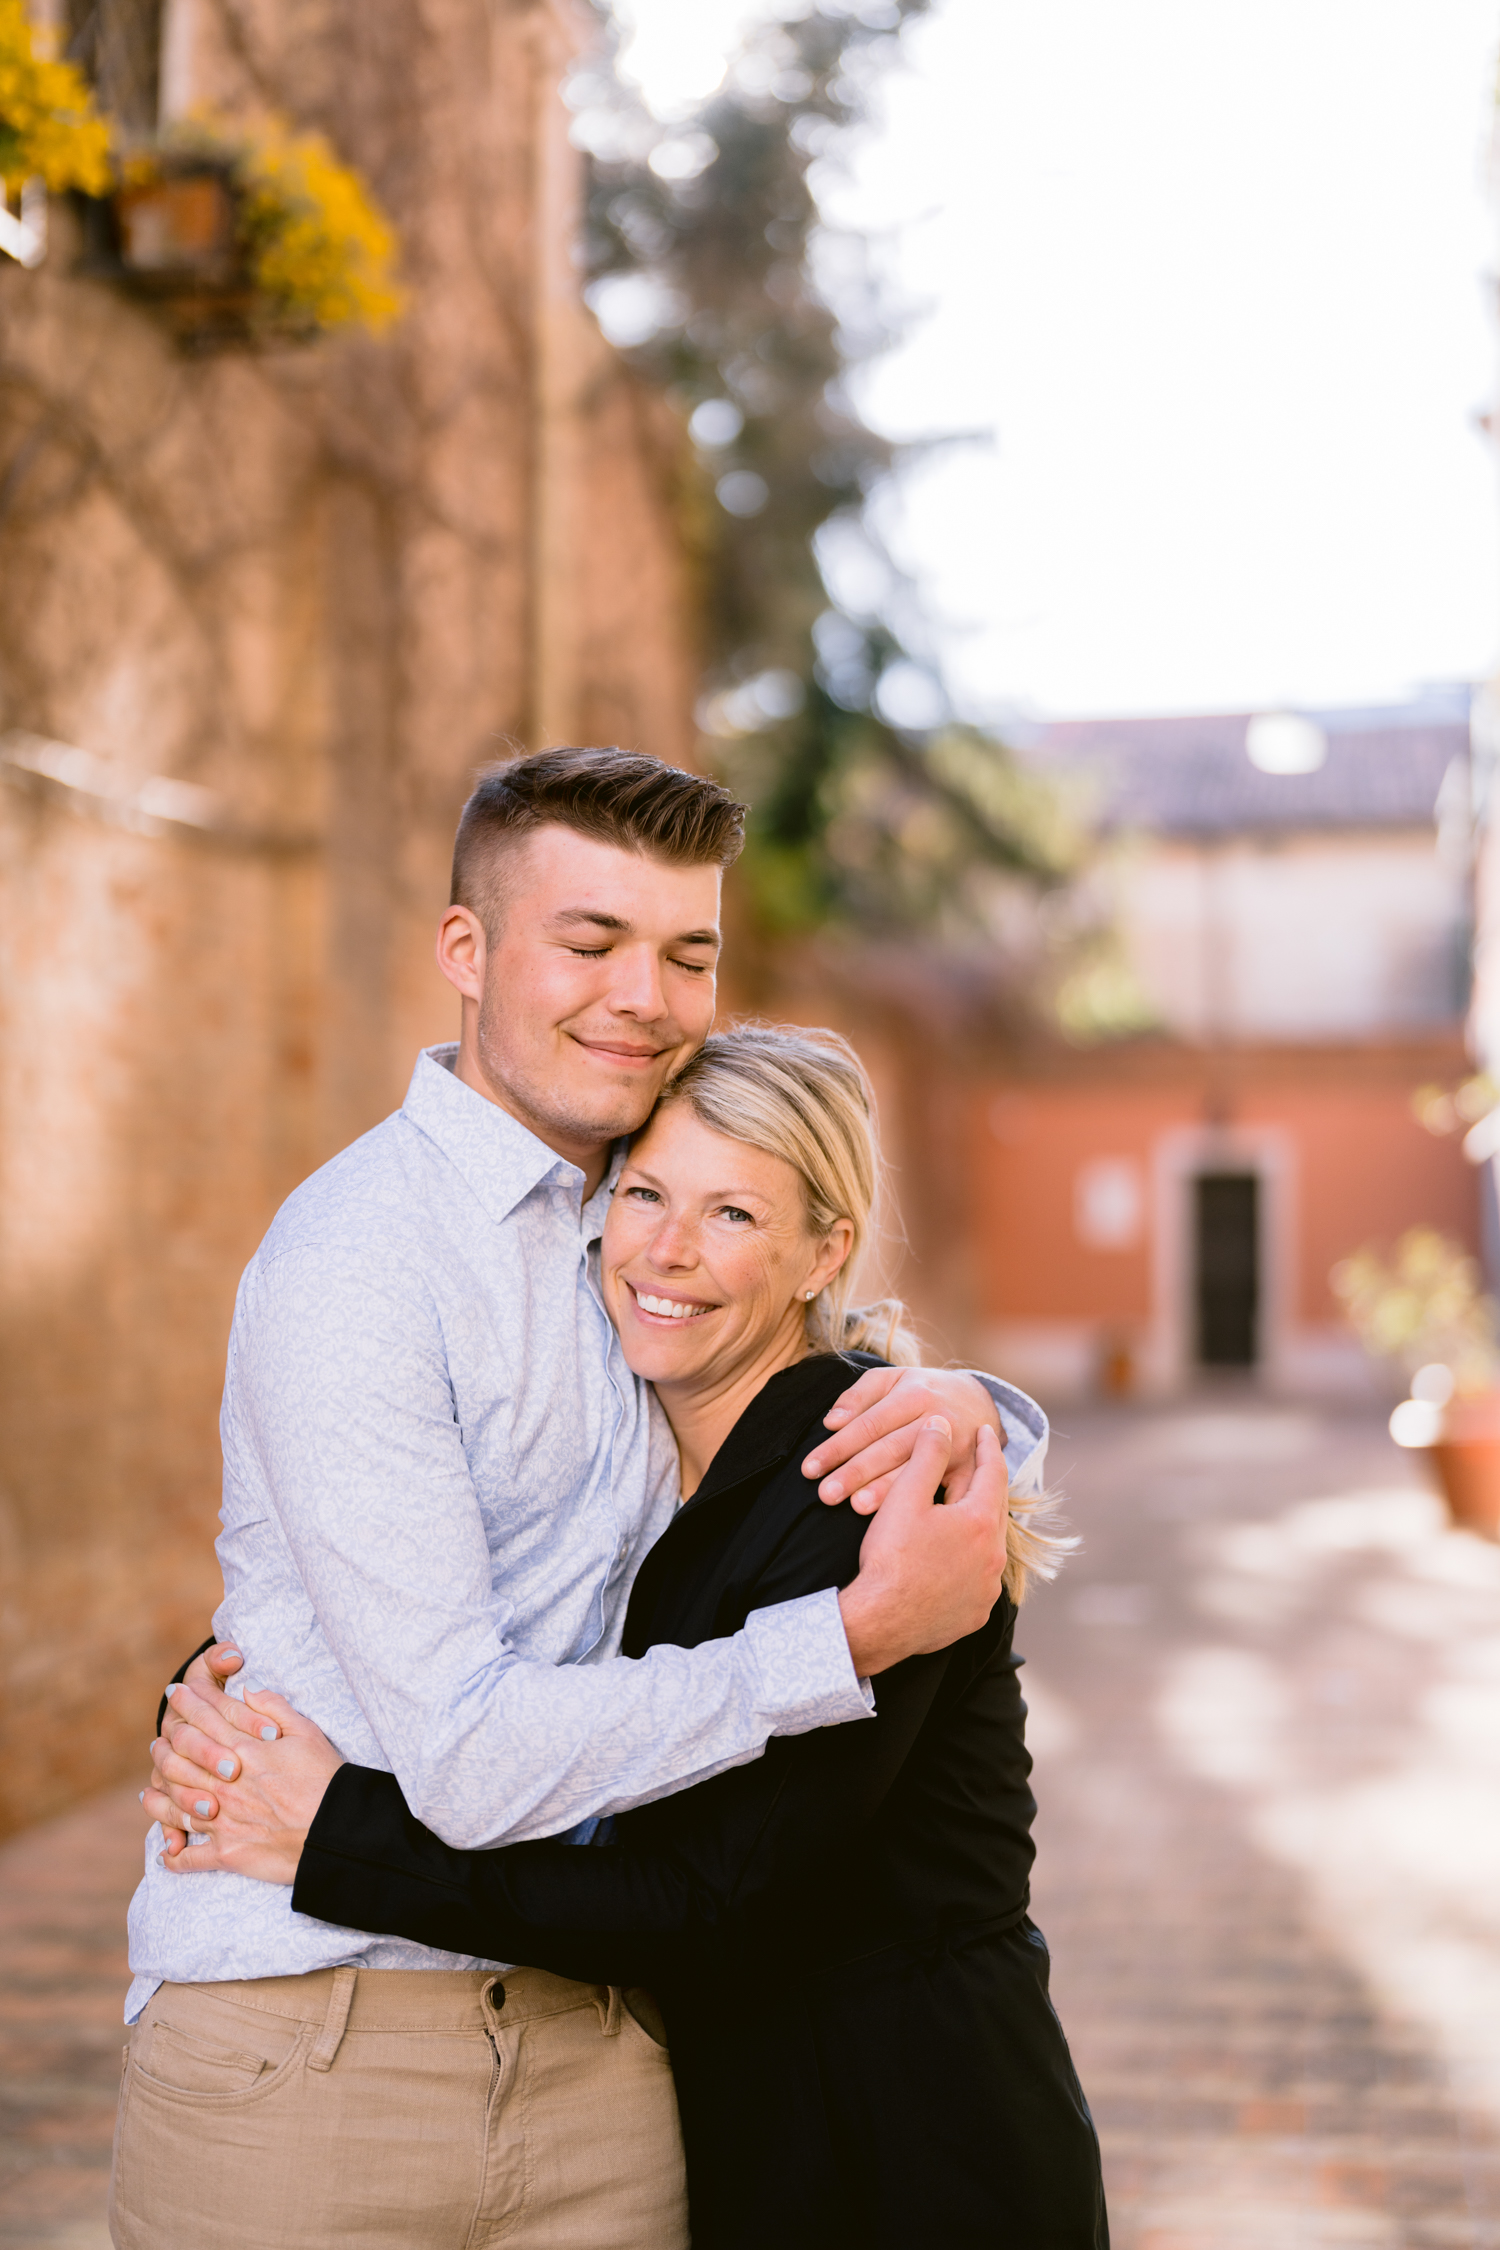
(546,1645)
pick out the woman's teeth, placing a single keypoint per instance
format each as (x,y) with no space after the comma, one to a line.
(668,1308)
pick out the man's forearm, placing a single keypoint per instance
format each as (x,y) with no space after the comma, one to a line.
(535,1748)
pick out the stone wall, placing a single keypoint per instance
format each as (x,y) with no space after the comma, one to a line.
(263,615)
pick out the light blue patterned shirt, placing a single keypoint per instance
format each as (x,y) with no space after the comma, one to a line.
(439,1479)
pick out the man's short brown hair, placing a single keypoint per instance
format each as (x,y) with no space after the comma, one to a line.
(619,797)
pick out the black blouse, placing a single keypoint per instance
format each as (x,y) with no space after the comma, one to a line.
(836,1932)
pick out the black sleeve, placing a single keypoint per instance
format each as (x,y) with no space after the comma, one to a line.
(180,1675)
(636,1911)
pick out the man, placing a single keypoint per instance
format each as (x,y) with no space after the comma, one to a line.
(439,1481)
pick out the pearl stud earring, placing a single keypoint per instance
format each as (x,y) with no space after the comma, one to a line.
(811,1294)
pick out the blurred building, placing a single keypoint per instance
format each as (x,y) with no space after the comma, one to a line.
(1293,895)
(264,614)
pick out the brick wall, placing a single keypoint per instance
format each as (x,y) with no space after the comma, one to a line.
(320,586)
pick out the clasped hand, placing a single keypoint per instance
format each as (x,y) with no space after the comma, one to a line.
(236,1785)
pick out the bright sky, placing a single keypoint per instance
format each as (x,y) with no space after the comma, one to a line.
(1212,274)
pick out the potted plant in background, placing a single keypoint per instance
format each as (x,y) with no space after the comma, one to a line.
(249,234)
(238,232)
(1426,1310)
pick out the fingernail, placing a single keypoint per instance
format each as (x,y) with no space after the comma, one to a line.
(269,1734)
(225,1766)
(204,1807)
(832,1490)
(812,1464)
(171,1689)
(140,1796)
(936,1422)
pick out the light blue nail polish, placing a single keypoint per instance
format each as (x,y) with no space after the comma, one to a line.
(169,1692)
(204,1807)
(269,1734)
(225,1766)
(140,1796)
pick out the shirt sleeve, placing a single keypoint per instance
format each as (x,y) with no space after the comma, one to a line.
(339,1404)
(628,1912)
(1026,1432)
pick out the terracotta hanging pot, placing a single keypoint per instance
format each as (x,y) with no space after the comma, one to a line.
(1466,1455)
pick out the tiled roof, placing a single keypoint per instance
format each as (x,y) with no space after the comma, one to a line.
(1192,776)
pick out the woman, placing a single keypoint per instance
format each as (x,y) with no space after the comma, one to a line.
(836,1934)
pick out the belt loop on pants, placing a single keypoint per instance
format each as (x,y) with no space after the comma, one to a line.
(340,2000)
(609,2014)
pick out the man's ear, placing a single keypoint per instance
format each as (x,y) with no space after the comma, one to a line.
(461,951)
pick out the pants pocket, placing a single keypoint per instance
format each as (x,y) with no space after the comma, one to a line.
(220,2112)
(190,2065)
(642,2011)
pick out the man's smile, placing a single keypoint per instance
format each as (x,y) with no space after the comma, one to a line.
(615,1051)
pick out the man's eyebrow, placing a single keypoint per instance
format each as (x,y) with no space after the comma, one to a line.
(591,914)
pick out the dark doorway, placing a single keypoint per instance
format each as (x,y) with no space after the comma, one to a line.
(1226,1237)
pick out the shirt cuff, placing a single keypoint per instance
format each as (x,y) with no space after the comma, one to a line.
(807,1676)
(1026,1432)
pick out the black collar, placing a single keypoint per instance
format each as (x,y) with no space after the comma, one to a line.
(773,1423)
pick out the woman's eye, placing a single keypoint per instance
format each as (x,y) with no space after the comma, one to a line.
(643,1194)
(732,1211)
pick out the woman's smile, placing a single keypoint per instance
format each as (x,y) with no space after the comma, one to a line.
(657,1307)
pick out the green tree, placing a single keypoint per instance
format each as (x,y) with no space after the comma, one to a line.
(712,225)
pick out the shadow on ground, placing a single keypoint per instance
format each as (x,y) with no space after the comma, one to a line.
(1266,1715)
(1266,1712)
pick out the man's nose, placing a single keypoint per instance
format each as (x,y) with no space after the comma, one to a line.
(637,988)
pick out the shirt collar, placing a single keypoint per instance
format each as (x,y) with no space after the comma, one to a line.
(776,1418)
(499,1160)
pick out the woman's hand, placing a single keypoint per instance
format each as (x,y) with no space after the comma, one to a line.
(234,1803)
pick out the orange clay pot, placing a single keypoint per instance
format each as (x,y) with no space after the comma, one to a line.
(1467,1459)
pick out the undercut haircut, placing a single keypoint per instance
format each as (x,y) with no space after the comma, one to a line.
(620,797)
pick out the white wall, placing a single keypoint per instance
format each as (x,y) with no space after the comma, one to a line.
(1306,938)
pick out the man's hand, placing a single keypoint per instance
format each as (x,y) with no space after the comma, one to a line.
(927,1574)
(876,1423)
(228,1802)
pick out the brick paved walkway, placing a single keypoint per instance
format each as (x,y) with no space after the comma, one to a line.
(63,1892)
(1267,1720)
(1267,1716)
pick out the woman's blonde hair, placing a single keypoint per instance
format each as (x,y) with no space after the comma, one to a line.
(804,1095)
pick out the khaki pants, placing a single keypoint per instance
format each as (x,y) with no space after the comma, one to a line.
(441,2110)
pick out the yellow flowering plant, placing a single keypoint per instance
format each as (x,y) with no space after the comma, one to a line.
(319,249)
(49,129)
